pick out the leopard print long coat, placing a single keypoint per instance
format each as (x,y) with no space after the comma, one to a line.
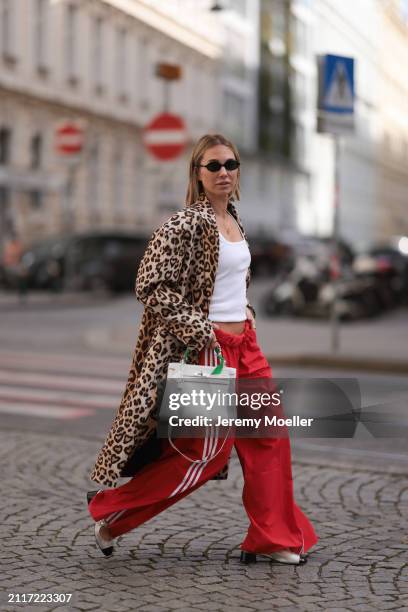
(175,282)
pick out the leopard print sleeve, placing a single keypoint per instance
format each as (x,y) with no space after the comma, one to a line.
(157,282)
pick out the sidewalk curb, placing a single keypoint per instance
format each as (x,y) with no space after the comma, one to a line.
(45,300)
(107,341)
(346,362)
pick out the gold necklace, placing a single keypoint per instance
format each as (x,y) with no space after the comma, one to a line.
(226,226)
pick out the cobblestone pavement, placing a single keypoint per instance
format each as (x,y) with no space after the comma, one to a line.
(187,557)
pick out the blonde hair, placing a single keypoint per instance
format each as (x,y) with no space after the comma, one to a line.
(195,190)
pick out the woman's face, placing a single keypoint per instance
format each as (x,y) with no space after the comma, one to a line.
(222,182)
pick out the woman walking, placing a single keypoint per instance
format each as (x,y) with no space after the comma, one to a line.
(193,281)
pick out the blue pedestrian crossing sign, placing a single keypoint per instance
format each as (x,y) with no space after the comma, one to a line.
(336,94)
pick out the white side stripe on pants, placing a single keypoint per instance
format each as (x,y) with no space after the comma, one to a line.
(195,470)
(112,518)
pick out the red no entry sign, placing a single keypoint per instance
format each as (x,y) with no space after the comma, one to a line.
(165,136)
(69,138)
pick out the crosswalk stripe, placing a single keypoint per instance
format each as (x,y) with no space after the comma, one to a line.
(63,398)
(51,381)
(59,386)
(68,364)
(56,412)
(64,358)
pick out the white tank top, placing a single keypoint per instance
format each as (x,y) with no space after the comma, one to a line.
(228,302)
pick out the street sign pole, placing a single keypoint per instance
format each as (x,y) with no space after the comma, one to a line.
(336,117)
(69,144)
(166,96)
(69,193)
(68,221)
(335,260)
(168,73)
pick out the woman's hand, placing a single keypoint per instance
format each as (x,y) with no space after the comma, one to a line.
(213,342)
(250,317)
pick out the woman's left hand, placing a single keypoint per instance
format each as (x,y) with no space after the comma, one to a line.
(250,317)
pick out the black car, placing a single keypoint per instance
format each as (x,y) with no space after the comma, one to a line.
(268,255)
(88,261)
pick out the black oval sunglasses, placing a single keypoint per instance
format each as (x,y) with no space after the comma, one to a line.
(215,166)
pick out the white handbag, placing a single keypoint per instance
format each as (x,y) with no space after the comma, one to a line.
(205,382)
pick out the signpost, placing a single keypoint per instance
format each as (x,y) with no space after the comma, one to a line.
(336,117)
(168,73)
(69,144)
(165,137)
(69,138)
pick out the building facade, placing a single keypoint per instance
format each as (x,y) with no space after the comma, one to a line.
(248,71)
(287,112)
(95,62)
(392,217)
(373,168)
(373,164)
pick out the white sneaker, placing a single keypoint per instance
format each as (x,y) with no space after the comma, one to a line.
(106,546)
(282,556)
(286,556)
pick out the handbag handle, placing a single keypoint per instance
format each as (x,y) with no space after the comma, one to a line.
(205,458)
(218,369)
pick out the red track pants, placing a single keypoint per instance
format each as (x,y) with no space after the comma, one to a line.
(276,522)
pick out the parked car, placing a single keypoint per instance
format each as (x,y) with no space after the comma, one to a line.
(268,255)
(88,261)
(392,263)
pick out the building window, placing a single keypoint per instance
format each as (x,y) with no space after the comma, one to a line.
(6,215)
(7,25)
(40,34)
(234,109)
(36,154)
(120,62)
(97,54)
(143,75)
(36,151)
(93,193)
(118,181)
(137,196)
(36,199)
(300,35)
(71,43)
(5,146)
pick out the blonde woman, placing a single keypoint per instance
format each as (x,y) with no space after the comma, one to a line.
(193,281)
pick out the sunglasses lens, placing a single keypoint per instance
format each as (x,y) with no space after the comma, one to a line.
(213,166)
(231,164)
